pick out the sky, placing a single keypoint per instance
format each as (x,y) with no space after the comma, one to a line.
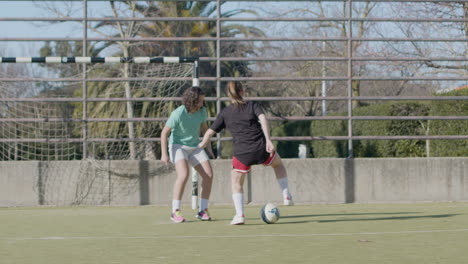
(18,29)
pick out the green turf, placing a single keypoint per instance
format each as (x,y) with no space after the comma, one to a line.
(350,233)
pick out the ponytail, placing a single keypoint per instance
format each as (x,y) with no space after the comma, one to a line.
(234,89)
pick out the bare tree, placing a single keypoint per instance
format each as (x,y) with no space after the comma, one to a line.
(442,29)
(327,48)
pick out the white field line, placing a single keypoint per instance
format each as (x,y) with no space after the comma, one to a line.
(228,236)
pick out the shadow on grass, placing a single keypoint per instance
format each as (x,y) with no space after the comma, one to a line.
(320,215)
(389,218)
(360,219)
(315,215)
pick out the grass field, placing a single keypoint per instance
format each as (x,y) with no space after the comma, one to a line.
(346,233)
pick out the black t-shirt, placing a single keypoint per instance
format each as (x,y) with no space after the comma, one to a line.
(242,121)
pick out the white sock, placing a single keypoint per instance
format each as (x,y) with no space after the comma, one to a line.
(203,204)
(175,205)
(238,199)
(283,183)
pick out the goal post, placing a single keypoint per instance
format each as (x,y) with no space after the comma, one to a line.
(43,112)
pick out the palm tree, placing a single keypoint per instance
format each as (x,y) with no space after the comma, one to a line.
(137,29)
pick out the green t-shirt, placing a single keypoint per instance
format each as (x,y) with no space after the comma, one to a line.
(186,126)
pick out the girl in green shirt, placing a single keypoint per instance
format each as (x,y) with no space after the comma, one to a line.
(184,127)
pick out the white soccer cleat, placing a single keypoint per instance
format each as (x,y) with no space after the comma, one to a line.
(238,220)
(288,201)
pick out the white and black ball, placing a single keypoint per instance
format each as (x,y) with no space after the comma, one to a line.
(269,213)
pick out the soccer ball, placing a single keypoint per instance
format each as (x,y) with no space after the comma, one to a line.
(270,213)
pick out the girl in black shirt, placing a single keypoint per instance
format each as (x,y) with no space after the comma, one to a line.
(252,145)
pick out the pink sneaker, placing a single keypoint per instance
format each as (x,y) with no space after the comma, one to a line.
(177,217)
(203,215)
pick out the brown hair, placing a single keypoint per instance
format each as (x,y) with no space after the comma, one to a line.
(233,89)
(191,97)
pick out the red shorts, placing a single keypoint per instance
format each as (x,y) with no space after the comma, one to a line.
(238,166)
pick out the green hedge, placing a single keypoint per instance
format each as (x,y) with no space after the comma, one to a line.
(385,148)
(450,148)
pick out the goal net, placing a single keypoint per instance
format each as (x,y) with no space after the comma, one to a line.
(55,109)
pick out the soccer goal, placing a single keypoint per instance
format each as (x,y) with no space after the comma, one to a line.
(89,110)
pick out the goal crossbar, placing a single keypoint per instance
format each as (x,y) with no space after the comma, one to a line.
(97,59)
(142,60)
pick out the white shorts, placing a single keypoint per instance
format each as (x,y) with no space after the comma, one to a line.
(192,154)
